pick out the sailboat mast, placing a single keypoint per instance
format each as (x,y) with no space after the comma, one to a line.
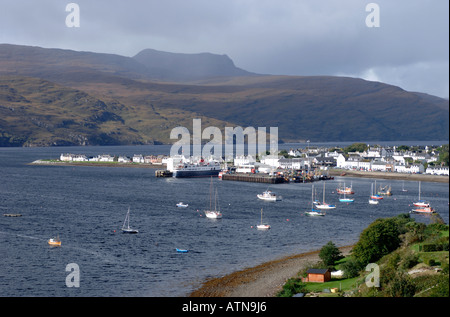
(419,189)
(323,192)
(261,216)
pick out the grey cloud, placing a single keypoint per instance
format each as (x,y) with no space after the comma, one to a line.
(293,37)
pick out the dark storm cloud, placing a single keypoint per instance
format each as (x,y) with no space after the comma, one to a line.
(293,37)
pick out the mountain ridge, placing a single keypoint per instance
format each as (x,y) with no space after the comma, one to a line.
(143,103)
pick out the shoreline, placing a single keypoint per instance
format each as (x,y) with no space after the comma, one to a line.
(99,164)
(263,280)
(331,172)
(390,175)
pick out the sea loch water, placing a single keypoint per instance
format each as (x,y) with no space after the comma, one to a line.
(86,207)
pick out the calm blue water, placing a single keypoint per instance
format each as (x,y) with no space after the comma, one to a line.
(84,205)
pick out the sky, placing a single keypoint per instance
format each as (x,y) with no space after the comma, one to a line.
(409,47)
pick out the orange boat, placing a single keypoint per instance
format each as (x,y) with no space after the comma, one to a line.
(54,242)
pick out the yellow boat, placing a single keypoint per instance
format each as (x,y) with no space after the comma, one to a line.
(54,242)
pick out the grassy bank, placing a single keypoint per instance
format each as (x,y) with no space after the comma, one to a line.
(417,267)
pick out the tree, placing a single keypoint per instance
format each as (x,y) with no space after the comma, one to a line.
(443,155)
(356,147)
(329,254)
(378,239)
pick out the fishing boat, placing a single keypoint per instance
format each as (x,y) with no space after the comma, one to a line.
(420,202)
(54,241)
(126,224)
(423,210)
(269,196)
(182,205)
(313,212)
(372,199)
(345,190)
(323,204)
(210,213)
(386,190)
(262,226)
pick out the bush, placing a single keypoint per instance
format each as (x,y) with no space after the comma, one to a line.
(293,286)
(351,268)
(401,286)
(329,254)
(431,262)
(409,260)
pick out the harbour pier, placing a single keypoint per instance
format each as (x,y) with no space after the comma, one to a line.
(254,178)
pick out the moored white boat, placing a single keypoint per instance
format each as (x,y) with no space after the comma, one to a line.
(313,212)
(126,224)
(262,226)
(210,213)
(269,196)
(374,199)
(182,205)
(323,204)
(213,214)
(420,202)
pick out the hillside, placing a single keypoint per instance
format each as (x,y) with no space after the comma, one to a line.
(147,95)
(36,112)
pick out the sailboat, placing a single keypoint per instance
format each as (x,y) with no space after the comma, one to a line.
(372,200)
(375,196)
(126,224)
(213,214)
(403,187)
(323,204)
(421,203)
(313,212)
(346,200)
(262,226)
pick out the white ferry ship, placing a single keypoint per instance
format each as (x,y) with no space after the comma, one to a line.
(180,168)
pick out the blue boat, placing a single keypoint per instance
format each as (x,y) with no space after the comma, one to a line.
(182,250)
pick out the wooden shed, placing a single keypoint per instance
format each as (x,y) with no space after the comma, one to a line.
(319,275)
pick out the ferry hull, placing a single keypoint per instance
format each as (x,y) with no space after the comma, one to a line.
(185,174)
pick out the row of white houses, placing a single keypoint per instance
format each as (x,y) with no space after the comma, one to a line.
(137,158)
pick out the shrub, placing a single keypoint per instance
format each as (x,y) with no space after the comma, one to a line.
(329,254)
(431,262)
(401,286)
(409,260)
(291,287)
(351,268)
